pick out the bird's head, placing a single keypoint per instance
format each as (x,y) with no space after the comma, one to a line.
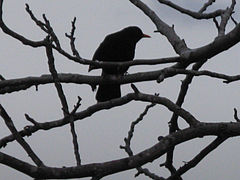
(134,33)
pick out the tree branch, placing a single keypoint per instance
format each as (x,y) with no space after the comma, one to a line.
(196,15)
(63,100)
(173,125)
(206,5)
(114,166)
(225,17)
(236,115)
(190,119)
(178,44)
(127,146)
(198,158)
(13,85)
(72,39)
(217,46)
(18,137)
(15,35)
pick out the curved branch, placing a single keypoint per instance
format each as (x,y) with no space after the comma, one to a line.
(217,46)
(103,169)
(15,35)
(196,15)
(190,119)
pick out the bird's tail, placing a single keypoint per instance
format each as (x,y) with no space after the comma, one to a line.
(108,91)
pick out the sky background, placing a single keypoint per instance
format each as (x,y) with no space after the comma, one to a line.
(100,135)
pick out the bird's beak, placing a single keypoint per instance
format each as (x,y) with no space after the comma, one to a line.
(146,36)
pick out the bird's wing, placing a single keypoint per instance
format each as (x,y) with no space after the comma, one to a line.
(102,51)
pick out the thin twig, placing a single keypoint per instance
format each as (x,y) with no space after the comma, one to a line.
(225,18)
(206,5)
(128,139)
(72,39)
(236,115)
(31,120)
(15,35)
(234,21)
(196,15)
(38,22)
(216,23)
(147,173)
(127,146)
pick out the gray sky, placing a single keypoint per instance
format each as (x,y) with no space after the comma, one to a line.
(100,135)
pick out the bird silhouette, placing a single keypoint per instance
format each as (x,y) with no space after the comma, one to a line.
(116,47)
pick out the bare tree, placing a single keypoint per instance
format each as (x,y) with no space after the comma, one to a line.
(177,65)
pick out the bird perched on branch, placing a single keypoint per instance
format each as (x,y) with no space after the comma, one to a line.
(116,47)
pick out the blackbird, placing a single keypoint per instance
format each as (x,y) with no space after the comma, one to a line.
(118,47)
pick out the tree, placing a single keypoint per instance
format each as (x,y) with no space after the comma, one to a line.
(187,62)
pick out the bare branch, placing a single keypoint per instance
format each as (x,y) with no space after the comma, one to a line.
(127,146)
(190,119)
(107,64)
(220,44)
(198,158)
(225,17)
(63,100)
(173,125)
(227,78)
(206,5)
(177,43)
(9,86)
(236,115)
(72,39)
(78,104)
(38,23)
(16,35)
(18,137)
(31,120)
(12,85)
(147,173)
(196,15)
(135,89)
(128,139)
(165,145)
(57,83)
(216,23)
(234,21)
(119,165)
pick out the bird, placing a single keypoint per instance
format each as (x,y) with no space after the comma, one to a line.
(116,47)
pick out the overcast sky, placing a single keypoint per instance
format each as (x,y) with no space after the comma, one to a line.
(100,135)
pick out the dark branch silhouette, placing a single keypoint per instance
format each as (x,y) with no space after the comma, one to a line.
(187,63)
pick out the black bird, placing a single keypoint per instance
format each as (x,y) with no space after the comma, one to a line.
(119,47)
